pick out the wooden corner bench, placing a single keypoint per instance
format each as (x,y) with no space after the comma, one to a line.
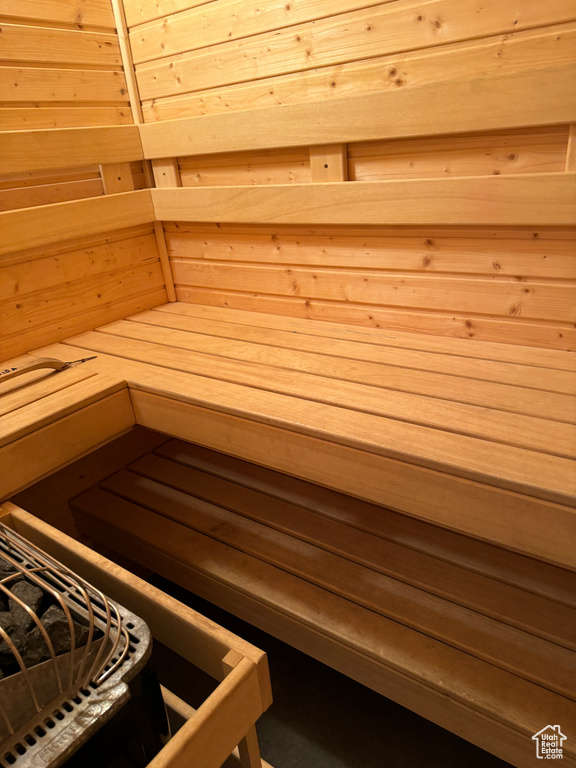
(411,521)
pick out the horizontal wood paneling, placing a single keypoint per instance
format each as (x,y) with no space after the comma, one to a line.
(62,57)
(469,105)
(227,20)
(51,293)
(540,150)
(140,11)
(265,167)
(21,118)
(479,58)
(491,296)
(389,29)
(45,194)
(30,227)
(95,13)
(504,285)
(40,150)
(54,46)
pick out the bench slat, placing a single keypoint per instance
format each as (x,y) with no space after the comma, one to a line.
(499,565)
(448,686)
(292,331)
(509,605)
(506,466)
(336,385)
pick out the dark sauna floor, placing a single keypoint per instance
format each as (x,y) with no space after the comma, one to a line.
(322,719)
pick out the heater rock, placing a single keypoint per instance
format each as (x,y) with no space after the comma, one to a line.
(29,594)
(58,629)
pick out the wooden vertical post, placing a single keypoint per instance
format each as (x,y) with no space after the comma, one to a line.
(571,153)
(167,172)
(117,177)
(329,162)
(138,117)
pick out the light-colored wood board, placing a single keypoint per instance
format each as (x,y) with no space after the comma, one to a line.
(225,718)
(393,28)
(29,227)
(503,566)
(279,166)
(538,434)
(215,318)
(481,58)
(28,197)
(56,305)
(128,67)
(390,485)
(225,21)
(32,388)
(512,331)
(58,46)
(84,87)
(26,178)
(40,275)
(495,396)
(508,468)
(501,602)
(54,329)
(571,150)
(141,11)
(60,148)
(166,172)
(423,659)
(329,162)
(28,460)
(72,116)
(428,253)
(509,519)
(24,421)
(477,104)
(117,177)
(360,349)
(382,375)
(96,13)
(490,295)
(79,244)
(536,151)
(530,199)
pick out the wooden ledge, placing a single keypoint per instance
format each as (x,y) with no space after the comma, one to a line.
(48,420)
(54,148)
(538,199)
(543,97)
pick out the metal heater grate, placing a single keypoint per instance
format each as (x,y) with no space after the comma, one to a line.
(69,653)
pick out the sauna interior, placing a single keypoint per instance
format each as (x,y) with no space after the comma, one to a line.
(320,256)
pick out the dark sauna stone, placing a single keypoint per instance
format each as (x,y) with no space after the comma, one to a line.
(56,624)
(29,594)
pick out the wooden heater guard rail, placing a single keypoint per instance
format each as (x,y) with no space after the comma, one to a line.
(226,719)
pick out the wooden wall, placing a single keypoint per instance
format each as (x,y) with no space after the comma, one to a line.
(60,65)
(204,58)
(61,68)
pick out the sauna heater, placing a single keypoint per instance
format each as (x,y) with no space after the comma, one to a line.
(76,681)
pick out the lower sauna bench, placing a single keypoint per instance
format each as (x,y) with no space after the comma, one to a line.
(220,732)
(476,638)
